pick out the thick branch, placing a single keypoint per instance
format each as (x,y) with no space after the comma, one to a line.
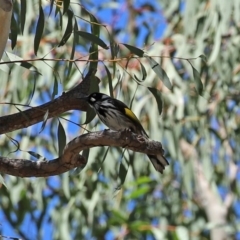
(68,101)
(71,158)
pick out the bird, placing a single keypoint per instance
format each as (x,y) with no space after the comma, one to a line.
(118,116)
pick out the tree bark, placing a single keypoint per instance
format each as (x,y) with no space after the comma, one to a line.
(71,159)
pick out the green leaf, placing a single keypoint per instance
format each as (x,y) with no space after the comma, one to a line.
(30,67)
(55,88)
(14,32)
(90,115)
(23,14)
(92,38)
(22,63)
(122,173)
(51,7)
(144,72)
(39,30)
(143,180)
(33,91)
(61,139)
(2,181)
(139,192)
(118,218)
(93,50)
(36,155)
(75,40)
(45,118)
(157,94)
(134,50)
(109,80)
(198,82)
(160,72)
(182,232)
(68,30)
(203,57)
(65,6)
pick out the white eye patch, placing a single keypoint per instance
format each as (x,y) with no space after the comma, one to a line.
(92,99)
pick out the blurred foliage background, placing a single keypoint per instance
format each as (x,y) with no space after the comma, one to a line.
(119,195)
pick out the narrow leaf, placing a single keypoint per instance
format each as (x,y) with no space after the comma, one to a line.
(160,72)
(33,91)
(90,115)
(144,72)
(93,50)
(134,50)
(68,30)
(198,82)
(203,57)
(39,30)
(65,6)
(55,88)
(45,118)
(30,67)
(156,93)
(139,192)
(74,43)
(14,32)
(34,154)
(92,38)
(51,7)
(109,80)
(122,173)
(23,14)
(61,138)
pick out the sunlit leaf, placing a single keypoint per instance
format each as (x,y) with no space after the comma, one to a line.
(21,62)
(157,94)
(182,232)
(39,30)
(138,192)
(160,72)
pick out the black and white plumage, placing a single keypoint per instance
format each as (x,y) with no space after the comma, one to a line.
(117,116)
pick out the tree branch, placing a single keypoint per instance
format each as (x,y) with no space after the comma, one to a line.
(215,209)
(68,101)
(71,159)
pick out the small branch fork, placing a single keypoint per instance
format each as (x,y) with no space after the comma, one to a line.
(71,158)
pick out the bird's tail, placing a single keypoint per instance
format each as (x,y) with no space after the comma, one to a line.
(159,162)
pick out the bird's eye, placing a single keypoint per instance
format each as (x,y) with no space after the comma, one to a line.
(92,99)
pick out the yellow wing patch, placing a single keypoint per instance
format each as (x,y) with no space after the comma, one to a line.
(131,115)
